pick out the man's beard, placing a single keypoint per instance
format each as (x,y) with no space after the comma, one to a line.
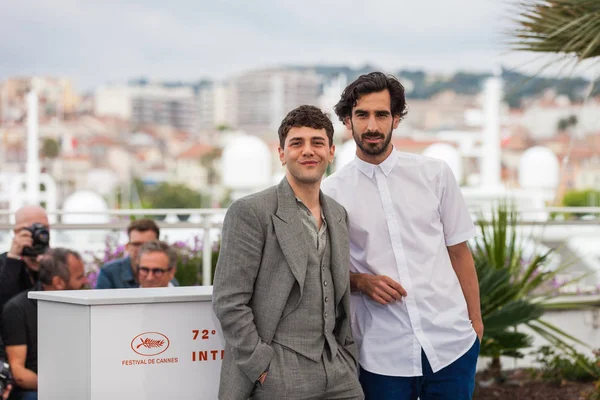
(375,149)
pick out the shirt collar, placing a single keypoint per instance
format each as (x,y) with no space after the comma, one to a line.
(302,205)
(386,165)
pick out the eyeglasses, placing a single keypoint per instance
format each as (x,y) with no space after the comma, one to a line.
(157,272)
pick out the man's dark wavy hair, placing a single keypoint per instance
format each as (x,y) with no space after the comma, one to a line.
(373,82)
(305,116)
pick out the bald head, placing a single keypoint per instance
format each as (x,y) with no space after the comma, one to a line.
(29,215)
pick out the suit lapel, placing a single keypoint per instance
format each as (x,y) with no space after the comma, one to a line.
(339,246)
(290,232)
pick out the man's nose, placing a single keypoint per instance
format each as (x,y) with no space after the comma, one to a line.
(372,124)
(307,149)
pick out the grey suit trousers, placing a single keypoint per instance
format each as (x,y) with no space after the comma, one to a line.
(292,376)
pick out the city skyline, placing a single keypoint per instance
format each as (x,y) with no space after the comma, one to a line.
(100,43)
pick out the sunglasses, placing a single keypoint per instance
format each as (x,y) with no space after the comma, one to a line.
(157,272)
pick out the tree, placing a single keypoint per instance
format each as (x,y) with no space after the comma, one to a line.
(50,148)
(223,127)
(167,195)
(581,198)
(566,123)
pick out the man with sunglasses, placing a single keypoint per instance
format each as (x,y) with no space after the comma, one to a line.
(156,264)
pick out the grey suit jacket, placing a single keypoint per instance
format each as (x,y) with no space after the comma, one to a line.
(261,268)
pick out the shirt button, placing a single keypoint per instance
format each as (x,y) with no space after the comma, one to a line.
(326,299)
(325,283)
(325,315)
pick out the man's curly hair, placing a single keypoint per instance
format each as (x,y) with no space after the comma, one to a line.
(305,116)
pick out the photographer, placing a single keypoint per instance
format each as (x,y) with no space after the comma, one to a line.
(19,267)
(60,269)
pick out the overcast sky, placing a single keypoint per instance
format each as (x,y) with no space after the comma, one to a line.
(102,41)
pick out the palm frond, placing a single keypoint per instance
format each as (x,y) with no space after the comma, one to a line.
(512,314)
(559,26)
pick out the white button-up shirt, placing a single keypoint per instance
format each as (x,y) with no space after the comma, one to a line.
(402,214)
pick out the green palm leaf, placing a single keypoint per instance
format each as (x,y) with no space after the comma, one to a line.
(559,26)
(513,289)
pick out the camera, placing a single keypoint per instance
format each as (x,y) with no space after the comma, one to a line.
(5,376)
(41,239)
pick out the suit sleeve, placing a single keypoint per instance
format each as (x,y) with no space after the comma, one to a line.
(237,267)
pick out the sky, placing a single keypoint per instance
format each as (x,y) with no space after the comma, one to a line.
(101,42)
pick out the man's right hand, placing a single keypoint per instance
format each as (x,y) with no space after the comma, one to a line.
(380,288)
(262,378)
(21,240)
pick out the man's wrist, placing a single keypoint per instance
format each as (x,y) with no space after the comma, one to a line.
(11,254)
(355,282)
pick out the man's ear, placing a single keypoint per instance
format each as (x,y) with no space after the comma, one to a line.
(281,155)
(58,283)
(331,153)
(348,123)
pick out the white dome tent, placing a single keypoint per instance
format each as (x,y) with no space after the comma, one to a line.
(538,169)
(246,163)
(448,154)
(85,207)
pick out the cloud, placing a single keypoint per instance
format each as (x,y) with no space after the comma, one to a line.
(96,42)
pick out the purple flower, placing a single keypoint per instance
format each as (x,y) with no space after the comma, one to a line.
(180,244)
(92,278)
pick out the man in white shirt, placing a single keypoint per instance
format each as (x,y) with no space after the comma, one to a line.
(415,306)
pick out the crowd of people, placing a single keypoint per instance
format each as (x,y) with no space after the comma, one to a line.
(31,265)
(360,286)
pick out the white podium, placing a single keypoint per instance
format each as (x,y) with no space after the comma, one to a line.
(126,344)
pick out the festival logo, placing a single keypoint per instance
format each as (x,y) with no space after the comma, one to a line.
(150,343)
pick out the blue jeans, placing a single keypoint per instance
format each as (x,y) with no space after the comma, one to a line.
(29,395)
(454,382)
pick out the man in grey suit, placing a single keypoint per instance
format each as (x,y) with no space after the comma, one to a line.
(281,287)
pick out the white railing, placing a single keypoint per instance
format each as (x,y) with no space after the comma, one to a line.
(207,221)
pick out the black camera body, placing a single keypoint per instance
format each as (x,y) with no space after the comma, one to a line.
(5,376)
(40,236)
